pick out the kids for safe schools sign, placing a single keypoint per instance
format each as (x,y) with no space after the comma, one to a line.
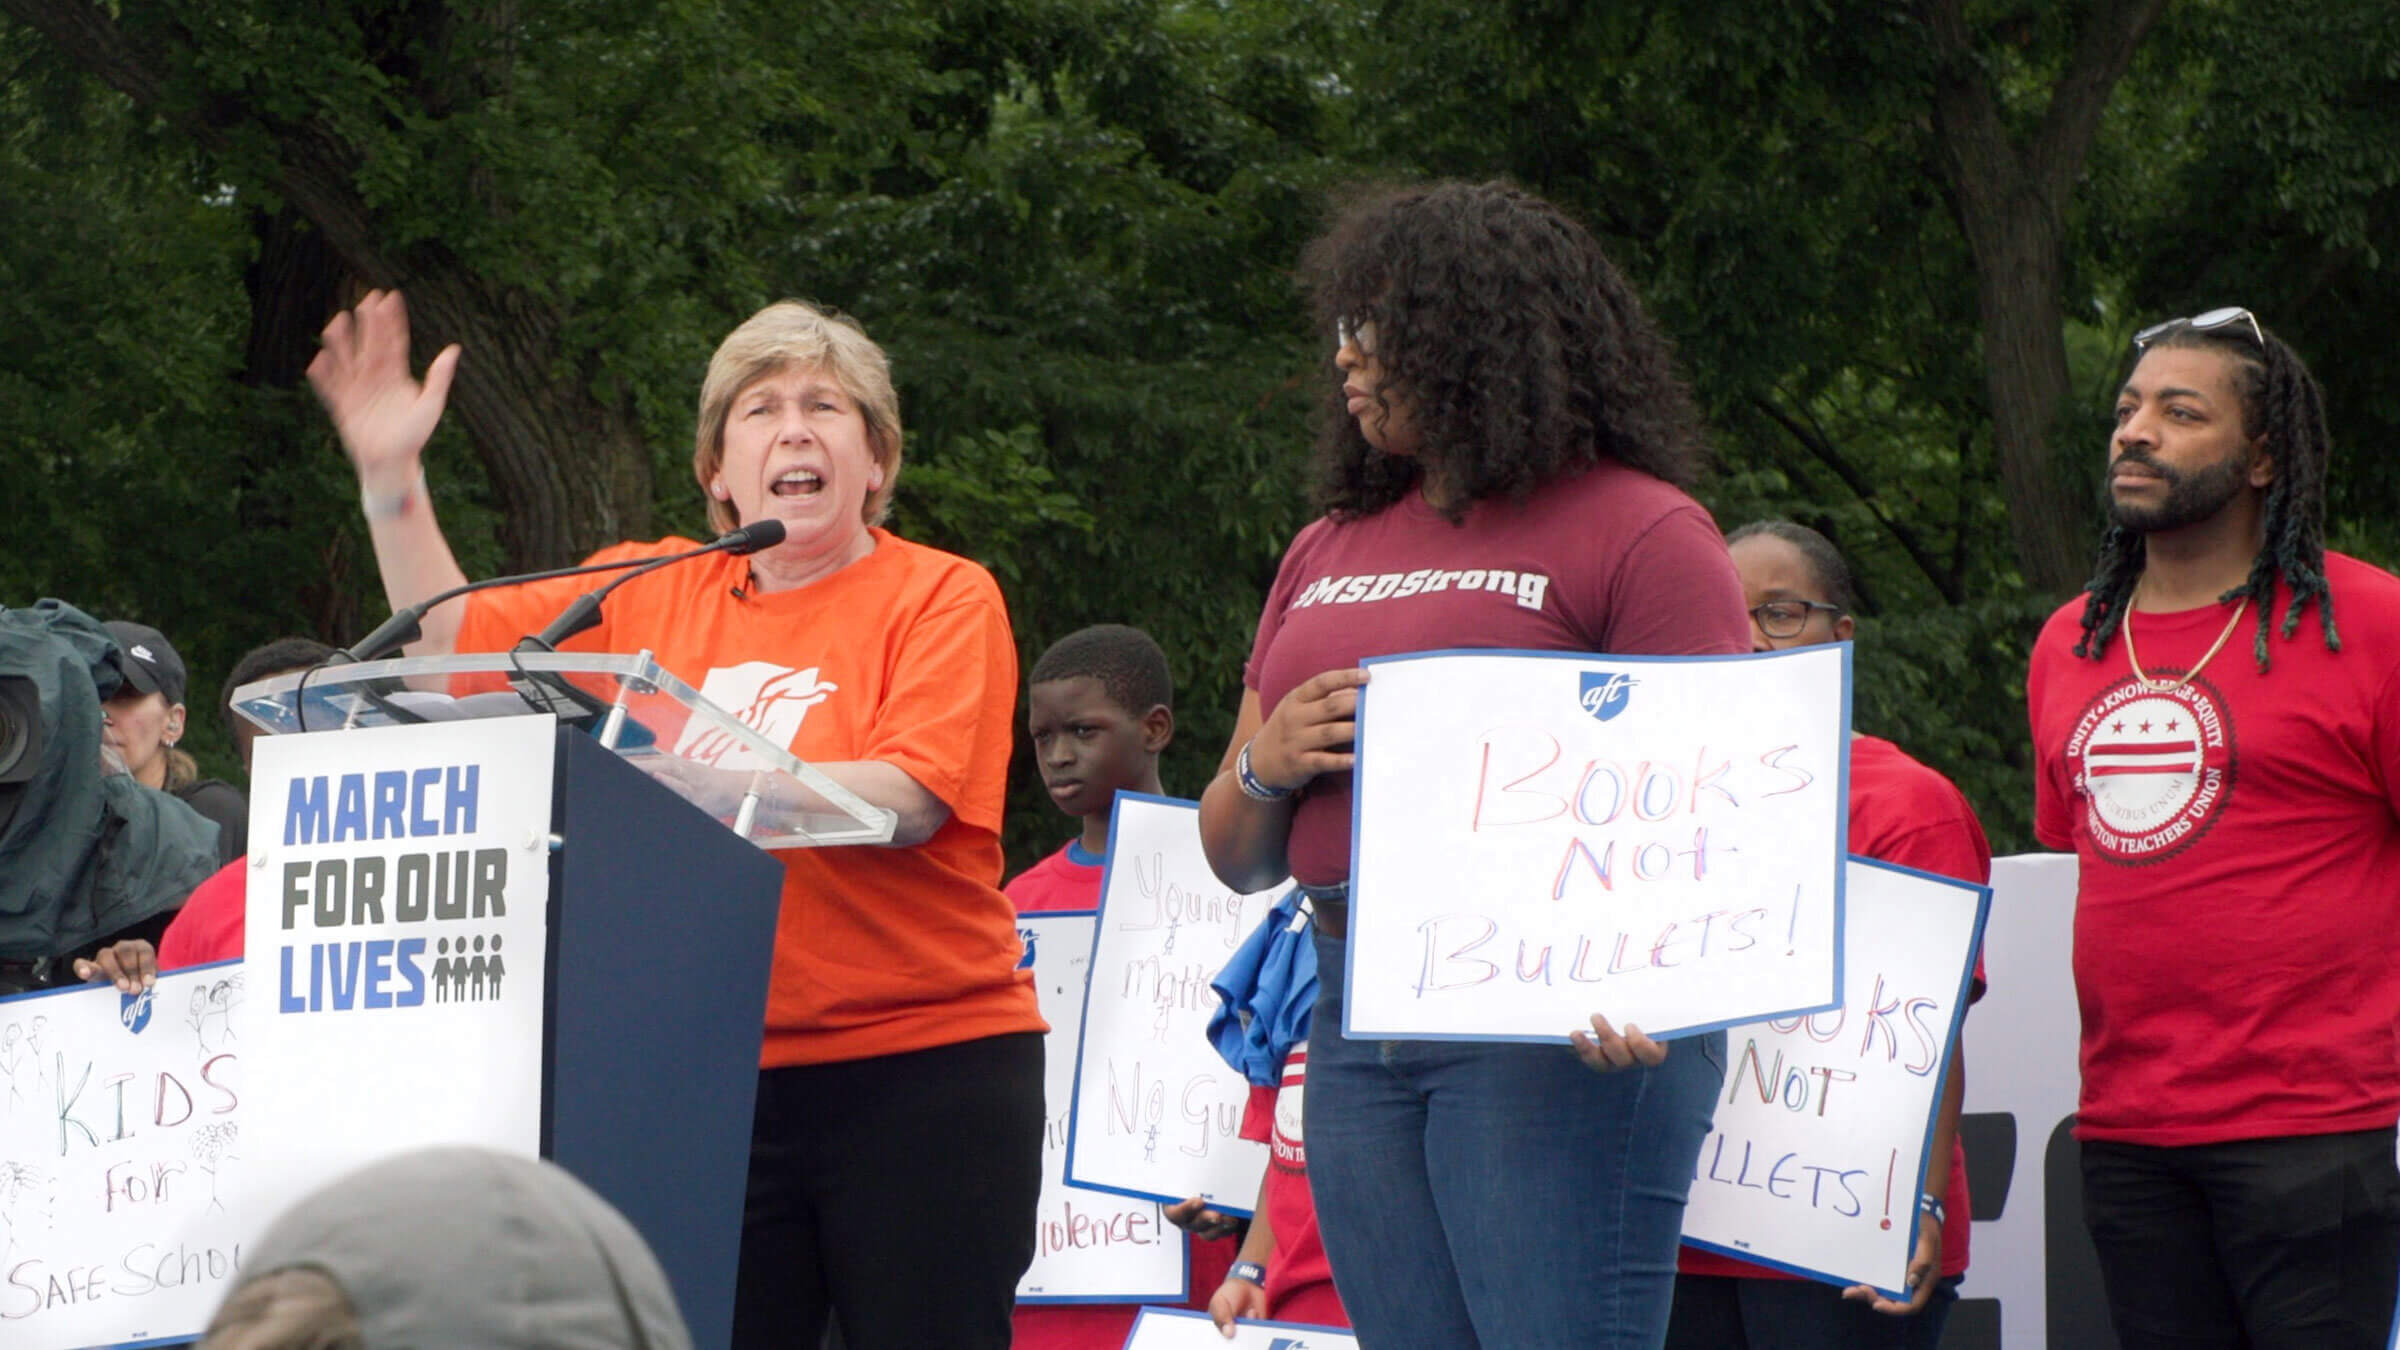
(1540,836)
(121,1158)
(398,881)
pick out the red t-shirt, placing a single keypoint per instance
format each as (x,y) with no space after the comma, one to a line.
(1611,560)
(1069,880)
(1903,812)
(905,657)
(210,925)
(1299,1279)
(2239,880)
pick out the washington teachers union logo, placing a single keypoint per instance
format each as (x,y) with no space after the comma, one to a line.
(1605,692)
(2153,768)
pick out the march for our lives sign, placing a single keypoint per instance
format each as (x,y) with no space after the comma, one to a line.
(399,880)
(1540,836)
(1821,1141)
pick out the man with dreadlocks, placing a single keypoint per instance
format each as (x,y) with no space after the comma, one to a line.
(2236,815)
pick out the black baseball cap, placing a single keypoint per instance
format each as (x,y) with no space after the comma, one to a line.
(149,662)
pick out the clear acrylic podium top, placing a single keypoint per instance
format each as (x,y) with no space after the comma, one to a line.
(631,704)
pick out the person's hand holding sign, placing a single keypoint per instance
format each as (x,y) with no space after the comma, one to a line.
(1311,731)
(1604,1050)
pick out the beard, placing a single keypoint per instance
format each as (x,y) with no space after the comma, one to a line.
(2191,497)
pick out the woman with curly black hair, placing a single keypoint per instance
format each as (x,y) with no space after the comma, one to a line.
(1503,466)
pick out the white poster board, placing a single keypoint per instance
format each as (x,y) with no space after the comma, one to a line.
(1089,1246)
(399,878)
(1539,836)
(1179,1329)
(1157,1112)
(1819,1149)
(2022,1070)
(121,1144)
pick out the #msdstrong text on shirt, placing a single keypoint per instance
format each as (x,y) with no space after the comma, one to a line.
(1527,587)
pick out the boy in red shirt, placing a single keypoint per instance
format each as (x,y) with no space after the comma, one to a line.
(1099,710)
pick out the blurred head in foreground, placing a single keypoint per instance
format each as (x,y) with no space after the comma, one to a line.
(450,1247)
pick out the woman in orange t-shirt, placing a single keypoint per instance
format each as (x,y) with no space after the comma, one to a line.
(895,1010)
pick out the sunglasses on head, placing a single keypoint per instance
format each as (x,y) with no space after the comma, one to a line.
(2201,323)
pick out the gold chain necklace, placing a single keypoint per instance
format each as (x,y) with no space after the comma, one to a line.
(2170,686)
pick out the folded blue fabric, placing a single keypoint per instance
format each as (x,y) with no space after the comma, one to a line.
(1266,991)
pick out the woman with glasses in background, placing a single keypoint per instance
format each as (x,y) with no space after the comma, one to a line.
(1799,594)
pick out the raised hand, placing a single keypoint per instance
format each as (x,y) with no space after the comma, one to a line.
(382,412)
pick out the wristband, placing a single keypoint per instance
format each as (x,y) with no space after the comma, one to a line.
(1250,784)
(1251,1271)
(380,507)
(1930,1203)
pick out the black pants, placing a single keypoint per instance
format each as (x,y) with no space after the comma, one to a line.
(897,1193)
(2260,1243)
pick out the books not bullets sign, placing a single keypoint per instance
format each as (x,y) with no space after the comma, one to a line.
(1541,836)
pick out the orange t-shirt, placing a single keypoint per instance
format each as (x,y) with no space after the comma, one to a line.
(904,656)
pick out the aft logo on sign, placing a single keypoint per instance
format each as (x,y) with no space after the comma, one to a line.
(134,1010)
(1605,692)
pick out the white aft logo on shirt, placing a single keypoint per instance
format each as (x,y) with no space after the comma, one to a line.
(769,699)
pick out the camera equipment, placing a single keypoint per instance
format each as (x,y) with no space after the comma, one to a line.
(83,854)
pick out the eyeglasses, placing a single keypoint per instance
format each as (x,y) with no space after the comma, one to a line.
(2201,323)
(1358,332)
(1785,618)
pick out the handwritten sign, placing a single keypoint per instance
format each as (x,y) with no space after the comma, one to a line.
(1819,1149)
(399,883)
(1089,1246)
(1178,1329)
(120,1147)
(1157,1113)
(1541,836)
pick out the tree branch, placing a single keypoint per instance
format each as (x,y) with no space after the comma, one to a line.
(1824,452)
(2103,51)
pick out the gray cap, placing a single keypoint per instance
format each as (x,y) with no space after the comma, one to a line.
(149,661)
(458,1246)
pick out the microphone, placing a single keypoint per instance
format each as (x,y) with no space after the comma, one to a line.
(403,627)
(585,611)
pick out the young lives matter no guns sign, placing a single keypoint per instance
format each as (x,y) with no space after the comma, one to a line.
(1157,1113)
(1819,1149)
(1541,836)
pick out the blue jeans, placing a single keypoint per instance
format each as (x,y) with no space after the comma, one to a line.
(1475,1193)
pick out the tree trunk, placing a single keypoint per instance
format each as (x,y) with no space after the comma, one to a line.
(2011,205)
(568,467)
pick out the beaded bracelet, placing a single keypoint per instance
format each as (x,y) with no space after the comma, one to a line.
(1250,784)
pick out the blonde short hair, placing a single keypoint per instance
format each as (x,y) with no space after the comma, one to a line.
(786,334)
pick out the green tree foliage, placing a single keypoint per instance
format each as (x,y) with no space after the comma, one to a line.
(1900,249)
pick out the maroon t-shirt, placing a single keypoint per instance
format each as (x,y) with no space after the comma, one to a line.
(1611,561)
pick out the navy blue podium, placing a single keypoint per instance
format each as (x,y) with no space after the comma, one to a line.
(661,920)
